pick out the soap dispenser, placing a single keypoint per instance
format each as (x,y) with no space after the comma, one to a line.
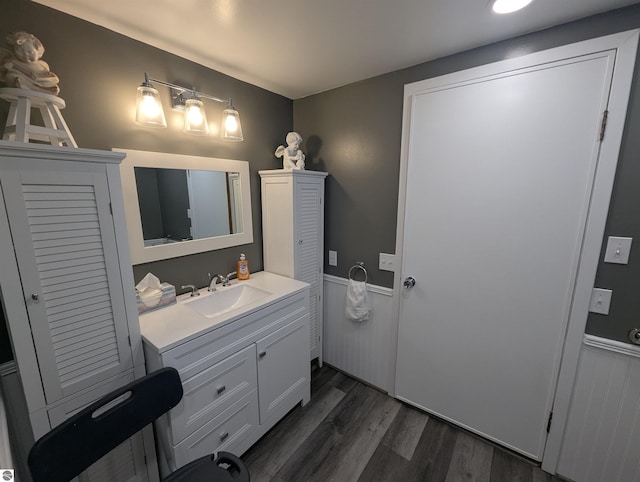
(243,268)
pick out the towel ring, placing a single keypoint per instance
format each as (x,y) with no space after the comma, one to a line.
(359,265)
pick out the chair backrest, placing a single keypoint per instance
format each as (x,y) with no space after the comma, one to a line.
(84,438)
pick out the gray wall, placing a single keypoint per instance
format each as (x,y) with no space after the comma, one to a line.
(354,133)
(99,71)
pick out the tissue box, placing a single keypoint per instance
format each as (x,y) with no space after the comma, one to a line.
(168,297)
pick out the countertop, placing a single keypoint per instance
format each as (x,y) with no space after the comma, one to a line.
(173,325)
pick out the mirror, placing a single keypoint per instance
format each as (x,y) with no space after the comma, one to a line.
(177,205)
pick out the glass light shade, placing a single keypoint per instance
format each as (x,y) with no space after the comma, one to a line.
(195,118)
(149,110)
(509,6)
(231,127)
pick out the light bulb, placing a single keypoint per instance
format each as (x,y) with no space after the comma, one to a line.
(149,110)
(195,115)
(149,106)
(195,118)
(231,124)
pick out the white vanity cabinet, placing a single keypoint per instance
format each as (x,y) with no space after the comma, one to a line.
(241,372)
(67,288)
(293,235)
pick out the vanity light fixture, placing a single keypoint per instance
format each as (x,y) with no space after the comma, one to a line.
(508,6)
(149,111)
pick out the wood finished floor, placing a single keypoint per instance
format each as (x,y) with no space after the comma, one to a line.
(352,432)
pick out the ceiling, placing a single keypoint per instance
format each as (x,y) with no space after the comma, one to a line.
(301,47)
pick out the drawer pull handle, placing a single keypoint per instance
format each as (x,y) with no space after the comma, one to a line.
(220,389)
(223,436)
(262,354)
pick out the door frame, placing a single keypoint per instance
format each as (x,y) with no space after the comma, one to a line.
(626,44)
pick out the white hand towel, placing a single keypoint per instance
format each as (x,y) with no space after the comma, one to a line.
(357,304)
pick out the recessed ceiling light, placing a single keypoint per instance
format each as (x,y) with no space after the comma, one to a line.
(508,6)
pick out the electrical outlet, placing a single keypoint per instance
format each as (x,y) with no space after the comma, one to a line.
(600,301)
(333,258)
(387,262)
(618,250)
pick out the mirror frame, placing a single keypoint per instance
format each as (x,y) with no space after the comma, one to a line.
(141,254)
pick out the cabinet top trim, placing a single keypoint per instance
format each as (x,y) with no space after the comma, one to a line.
(292,172)
(23,150)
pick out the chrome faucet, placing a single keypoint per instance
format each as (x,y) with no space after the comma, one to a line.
(212,282)
(194,290)
(230,276)
(225,280)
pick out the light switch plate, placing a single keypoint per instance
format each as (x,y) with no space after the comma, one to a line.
(618,250)
(600,301)
(387,262)
(333,258)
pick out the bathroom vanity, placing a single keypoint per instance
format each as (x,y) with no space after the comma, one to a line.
(243,356)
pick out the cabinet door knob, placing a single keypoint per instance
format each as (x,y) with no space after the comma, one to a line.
(220,389)
(35,297)
(262,354)
(223,436)
(300,241)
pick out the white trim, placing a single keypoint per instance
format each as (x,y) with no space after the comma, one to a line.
(625,44)
(381,290)
(141,254)
(612,345)
(22,150)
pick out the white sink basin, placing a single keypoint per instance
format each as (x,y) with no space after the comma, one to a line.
(226,299)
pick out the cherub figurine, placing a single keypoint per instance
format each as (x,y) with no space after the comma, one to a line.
(293,158)
(23,68)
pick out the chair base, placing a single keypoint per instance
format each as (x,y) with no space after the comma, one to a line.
(208,469)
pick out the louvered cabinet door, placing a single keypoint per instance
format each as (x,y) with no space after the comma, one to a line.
(65,245)
(308,253)
(293,235)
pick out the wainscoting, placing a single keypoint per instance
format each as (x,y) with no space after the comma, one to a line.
(602,438)
(361,349)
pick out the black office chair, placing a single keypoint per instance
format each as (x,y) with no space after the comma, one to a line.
(84,438)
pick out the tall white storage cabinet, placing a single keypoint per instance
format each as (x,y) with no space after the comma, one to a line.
(293,235)
(67,288)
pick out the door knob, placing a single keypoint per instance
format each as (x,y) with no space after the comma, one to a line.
(634,336)
(409,282)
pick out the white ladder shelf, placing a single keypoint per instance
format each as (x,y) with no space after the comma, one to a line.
(19,128)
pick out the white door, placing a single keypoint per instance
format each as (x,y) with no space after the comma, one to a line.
(499,177)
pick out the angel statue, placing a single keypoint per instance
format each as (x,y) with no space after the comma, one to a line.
(22,67)
(293,158)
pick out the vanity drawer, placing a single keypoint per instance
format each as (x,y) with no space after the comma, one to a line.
(230,431)
(212,391)
(196,355)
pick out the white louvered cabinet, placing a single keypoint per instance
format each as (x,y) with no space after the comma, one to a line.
(71,312)
(293,235)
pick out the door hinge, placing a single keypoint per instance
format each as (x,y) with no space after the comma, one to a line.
(129,340)
(110,209)
(603,126)
(549,421)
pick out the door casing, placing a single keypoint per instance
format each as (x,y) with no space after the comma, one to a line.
(626,44)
